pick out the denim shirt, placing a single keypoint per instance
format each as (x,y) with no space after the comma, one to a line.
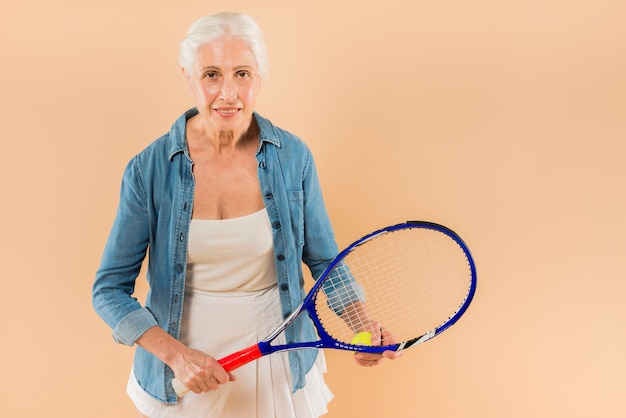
(153,218)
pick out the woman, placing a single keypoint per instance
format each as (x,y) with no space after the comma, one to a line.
(228,206)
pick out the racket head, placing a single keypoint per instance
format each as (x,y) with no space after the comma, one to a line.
(414,280)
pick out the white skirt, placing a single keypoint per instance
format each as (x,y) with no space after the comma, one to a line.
(222,323)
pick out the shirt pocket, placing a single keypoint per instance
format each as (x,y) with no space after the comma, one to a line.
(295,199)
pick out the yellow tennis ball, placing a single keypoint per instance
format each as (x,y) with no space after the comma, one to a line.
(362,338)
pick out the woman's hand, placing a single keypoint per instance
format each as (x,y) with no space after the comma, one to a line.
(356,317)
(380,336)
(370,359)
(196,370)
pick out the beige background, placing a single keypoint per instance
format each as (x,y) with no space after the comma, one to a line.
(504,120)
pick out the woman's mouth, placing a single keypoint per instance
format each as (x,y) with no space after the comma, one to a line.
(227,112)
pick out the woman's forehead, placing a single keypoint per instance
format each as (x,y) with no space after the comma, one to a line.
(226,52)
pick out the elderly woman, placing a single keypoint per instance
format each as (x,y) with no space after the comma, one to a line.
(228,207)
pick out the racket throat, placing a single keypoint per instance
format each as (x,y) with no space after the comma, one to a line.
(416,341)
(284,325)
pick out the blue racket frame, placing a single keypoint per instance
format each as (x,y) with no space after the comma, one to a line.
(326,341)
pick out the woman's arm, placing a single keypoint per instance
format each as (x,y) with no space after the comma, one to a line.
(121,263)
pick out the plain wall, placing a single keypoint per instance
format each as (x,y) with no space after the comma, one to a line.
(504,120)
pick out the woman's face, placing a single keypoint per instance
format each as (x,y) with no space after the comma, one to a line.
(225,83)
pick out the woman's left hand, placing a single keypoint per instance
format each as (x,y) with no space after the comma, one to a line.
(372,359)
(380,336)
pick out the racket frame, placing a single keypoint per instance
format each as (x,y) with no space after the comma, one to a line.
(326,341)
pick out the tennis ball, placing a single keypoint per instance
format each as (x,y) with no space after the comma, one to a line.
(362,338)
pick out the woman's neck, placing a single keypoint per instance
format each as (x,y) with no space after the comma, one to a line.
(203,135)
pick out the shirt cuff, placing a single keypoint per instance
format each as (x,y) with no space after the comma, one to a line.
(133,325)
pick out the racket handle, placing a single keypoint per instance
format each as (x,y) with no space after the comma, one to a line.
(241,357)
(180,389)
(229,363)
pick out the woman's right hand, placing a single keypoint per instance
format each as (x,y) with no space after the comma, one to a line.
(196,370)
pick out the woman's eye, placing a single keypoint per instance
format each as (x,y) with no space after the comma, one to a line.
(243,74)
(210,74)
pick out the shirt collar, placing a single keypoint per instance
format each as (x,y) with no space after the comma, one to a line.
(177,136)
(267,130)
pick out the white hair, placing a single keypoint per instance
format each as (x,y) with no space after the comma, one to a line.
(224,25)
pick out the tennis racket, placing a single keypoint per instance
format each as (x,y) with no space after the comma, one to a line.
(399,286)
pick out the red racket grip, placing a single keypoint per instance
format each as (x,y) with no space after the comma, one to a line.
(241,357)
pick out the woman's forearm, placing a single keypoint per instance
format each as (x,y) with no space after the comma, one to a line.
(162,345)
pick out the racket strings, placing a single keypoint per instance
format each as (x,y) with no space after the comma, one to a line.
(406,282)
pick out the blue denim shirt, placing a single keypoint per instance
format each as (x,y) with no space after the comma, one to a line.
(153,217)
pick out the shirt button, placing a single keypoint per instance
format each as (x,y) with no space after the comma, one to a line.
(179,268)
(262,164)
(269,195)
(280,257)
(276,225)
(284,287)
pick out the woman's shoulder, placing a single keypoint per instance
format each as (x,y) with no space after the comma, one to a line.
(281,137)
(168,144)
(157,146)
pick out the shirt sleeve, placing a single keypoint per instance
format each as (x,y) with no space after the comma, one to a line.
(121,263)
(320,246)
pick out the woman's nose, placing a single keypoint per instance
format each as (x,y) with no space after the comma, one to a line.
(228,91)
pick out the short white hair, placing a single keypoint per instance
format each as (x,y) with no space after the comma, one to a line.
(224,25)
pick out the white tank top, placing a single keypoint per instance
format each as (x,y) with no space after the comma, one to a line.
(234,254)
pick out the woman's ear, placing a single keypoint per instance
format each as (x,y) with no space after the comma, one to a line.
(187,78)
